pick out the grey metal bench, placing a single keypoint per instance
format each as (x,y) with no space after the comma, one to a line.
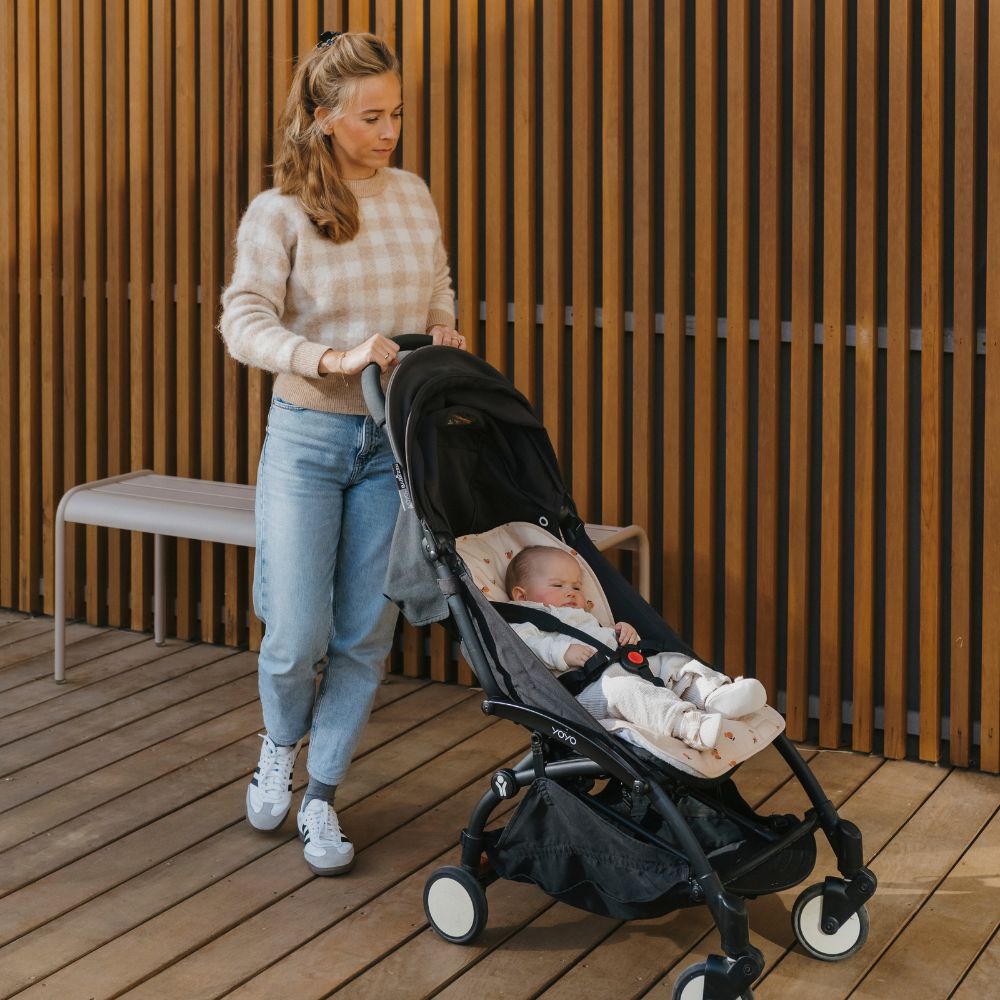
(210,512)
(161,505)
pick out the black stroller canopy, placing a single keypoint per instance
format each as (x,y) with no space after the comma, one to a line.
(473,451)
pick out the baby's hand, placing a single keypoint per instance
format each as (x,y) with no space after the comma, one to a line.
(577,654)
(625,634)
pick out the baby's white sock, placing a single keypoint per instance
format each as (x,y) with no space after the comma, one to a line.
(743,696)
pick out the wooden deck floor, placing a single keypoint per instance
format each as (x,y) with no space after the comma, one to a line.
(126,868)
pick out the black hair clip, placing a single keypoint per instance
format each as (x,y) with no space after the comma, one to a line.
(328,38)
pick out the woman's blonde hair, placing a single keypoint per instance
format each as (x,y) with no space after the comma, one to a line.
(328,76)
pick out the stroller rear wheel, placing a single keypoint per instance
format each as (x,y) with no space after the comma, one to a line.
(690,984)
(455,904)
(807,923)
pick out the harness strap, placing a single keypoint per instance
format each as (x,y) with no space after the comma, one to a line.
(580,677)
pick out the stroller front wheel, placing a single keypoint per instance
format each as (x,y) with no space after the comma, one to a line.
(807,920)
(690,984)
(455,904)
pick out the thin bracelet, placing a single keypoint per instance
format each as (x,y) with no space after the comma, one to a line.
(340,368)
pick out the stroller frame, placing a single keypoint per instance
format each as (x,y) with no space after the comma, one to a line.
(727,978)
(572,754)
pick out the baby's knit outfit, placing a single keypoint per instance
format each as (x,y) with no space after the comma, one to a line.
(690,706)
(295,293)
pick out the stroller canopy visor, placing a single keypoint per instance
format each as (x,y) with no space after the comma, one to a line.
(473,452)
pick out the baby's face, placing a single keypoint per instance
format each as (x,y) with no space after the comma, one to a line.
(556,580)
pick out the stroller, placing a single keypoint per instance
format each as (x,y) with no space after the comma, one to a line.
(606,823)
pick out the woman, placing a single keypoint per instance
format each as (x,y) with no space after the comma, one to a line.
(343,253)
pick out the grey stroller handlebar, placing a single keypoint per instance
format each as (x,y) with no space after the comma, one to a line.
(371,384)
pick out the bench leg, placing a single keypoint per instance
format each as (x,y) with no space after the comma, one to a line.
(159,592)
(60,584)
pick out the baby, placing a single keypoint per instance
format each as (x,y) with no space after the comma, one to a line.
(694,699)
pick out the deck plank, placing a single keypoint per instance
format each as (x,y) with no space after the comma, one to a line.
(159,665)
(91,643)
(191,802)
(104,719)
(383,807)
(947,934)
(63,768)
(983,976)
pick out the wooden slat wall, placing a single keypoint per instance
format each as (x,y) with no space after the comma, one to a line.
(118,238)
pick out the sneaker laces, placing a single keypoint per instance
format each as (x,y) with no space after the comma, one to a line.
(275,767)
(322,824)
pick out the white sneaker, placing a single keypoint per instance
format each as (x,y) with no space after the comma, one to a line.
(269,794)
(326,850)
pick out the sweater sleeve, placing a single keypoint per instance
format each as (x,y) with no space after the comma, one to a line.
(549,647)
(254,303)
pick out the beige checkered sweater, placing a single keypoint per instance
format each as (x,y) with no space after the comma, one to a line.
(295,294)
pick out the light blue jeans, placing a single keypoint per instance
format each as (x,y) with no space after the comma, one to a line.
(326,506)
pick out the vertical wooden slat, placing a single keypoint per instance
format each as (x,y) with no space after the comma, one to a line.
(737,334)
(235,383)
(51,305)
(440,150)
(769,348)
(308,27)
(412,640)
(358,13)
(119,544)
(95,271)
(385,21)
(963,396)
(674,313)
(140,303)
(29,313)
(413,87)
(897,380)
(583,257)
(865,376)
(164,355)
(494,247)
(834,261)
(9,306)
(262,52)
(74,350)
(553,157)
(931,373)
(989,739)
(163,238)
(524,237)
(186,269)
(612,467)
(439,132)
(210,277)
(800,416)
(643,371)
(706,322)
(468,167)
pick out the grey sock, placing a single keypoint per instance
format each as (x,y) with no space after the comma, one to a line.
(317,790)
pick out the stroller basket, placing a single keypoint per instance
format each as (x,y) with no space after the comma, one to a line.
(581,852)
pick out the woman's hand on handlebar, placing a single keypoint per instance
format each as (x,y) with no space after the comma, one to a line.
(445,336)
(376,349)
